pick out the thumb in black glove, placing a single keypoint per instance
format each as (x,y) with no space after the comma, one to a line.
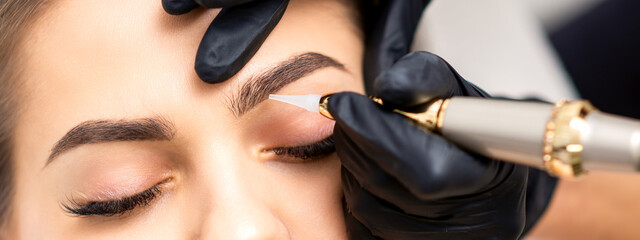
(242,26)
(401,182)
(389,27)
(234,36)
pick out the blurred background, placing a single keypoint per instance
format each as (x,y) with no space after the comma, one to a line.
(550,50)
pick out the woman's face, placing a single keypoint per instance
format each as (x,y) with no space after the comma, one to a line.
(119,139)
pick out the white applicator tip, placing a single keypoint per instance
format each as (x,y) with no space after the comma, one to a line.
(309,102)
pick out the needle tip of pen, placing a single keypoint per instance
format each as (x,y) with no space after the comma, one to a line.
(309,102)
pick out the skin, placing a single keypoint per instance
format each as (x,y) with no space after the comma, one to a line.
(93,60)
(602,205)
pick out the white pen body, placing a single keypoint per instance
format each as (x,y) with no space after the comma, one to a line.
(514,131)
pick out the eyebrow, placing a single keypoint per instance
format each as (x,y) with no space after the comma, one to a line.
(251,93)
(258,88)
(102,131)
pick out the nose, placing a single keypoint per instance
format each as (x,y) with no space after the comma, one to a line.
(243,220)
(242,208)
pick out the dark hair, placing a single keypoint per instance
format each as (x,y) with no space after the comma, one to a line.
(15,17)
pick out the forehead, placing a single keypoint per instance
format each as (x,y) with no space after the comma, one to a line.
(82,48)
(95,59)
(93,44)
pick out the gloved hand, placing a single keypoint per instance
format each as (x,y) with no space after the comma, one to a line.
(234,36)
(389,27)
(242,26)
(401,182)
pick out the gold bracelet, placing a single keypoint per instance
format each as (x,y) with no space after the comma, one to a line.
(561,145)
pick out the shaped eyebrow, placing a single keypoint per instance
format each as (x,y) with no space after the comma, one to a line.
(258,88)
(250,94)
(101,131)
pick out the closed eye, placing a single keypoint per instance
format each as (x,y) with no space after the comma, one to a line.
(114,207)
(308,152)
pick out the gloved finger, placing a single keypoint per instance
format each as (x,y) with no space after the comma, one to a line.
(388,222)
(234,36)
(415,79)
(390,34)
(177,7)
(426,164)
(221,3)
(381,184)
(383,219)
(355,229)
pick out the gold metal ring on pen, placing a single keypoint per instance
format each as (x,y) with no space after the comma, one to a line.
(323,108)
(430,119)
(561,145)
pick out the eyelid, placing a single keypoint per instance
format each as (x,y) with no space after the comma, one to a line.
(308,152)
(116,206)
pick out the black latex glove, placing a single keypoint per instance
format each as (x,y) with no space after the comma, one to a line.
(234,36)
(390,26)
(240,29)
(401,182)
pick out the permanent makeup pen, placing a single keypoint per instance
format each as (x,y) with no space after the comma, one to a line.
(567,139)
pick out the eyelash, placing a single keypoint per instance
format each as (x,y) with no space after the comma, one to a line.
(120,206)
(113,207)
(308,152)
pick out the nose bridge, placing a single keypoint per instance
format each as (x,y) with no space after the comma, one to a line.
(239,208)
(243,221)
